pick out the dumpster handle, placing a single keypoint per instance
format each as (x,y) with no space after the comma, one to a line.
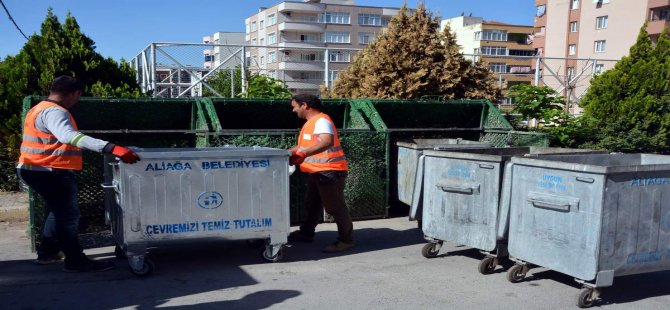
(550,205)
(486,166)
(472,190)
(585,180)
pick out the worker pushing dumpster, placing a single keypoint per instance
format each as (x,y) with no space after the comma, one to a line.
(594,217)
(191,194)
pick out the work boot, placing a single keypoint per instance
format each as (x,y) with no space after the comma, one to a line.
(300,236)
(87,265)
(338,246)
(46,259)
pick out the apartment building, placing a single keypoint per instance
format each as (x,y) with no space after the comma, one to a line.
(221,55)
(306,44)
(505,48)
(580,38)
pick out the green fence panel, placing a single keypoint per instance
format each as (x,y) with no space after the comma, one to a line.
(243,123)
(142,122)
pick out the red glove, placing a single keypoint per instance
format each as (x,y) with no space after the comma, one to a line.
(297,158)
(126,155)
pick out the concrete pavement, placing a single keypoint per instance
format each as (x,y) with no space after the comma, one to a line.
(384,271)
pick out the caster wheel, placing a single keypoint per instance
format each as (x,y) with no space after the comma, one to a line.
(487,265)
(430,250)
(119,253)
(266,253)
(147,268)
(585,298)
(255,243)
(515,274)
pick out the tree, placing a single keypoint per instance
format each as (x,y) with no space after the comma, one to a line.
(59,49)
(538,102)
(221,81)
(412,59)
(263,86)
(629,104)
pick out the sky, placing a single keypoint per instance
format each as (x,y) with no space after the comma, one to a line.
(123,28)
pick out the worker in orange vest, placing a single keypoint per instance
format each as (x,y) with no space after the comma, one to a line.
(321,156)
(50,153)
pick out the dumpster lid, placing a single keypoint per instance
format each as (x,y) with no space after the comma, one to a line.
(427,144)
(504,154)
(226,151)
(600,163)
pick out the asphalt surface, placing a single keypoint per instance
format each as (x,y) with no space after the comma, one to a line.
(385,270)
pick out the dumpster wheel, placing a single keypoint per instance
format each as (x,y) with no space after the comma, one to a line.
(488,264)
(267,255)
(119,253)
(585,298)
(147,268)
(431,250)
(516,273)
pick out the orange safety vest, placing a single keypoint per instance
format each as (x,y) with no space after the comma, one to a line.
(43,149)
(330,159)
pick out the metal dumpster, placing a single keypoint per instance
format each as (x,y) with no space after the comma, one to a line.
(463,198)
(409,160)
(593,217)
(198,194)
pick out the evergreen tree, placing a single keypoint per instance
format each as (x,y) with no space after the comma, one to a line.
(59,49)
(629,103)
(412,59)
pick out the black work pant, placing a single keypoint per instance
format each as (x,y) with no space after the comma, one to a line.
(325,190)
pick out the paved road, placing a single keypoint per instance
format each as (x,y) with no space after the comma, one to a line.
(385,271)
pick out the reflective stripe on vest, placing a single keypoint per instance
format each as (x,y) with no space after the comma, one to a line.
(331,159)
(43,149)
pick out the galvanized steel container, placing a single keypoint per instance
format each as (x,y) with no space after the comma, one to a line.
(409,153)
(593,217)
(189,194)
(462,198)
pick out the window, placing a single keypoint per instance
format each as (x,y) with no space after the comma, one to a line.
(572,49)
(599,68)
(541,10)
(601,22)
(209,58)
(492,50)
(335,18)
(308,75)
(272,38)
(246,28)
(491,35)
(575,5)
(599,46)
(260,25)
(272,73)
(498,67)
(253,41)
(573,26)
(307,18)
(338,56)
(369,19)
(309,38)
(308,57)
(664,15)
(272,19)
(337,37)
(262,60)
(365,37)
(272,57)
(262,42)
(332,75)
(570,72)
(253,26)
(521,52)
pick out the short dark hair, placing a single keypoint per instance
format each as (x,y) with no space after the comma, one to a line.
(65,85)
(312,101)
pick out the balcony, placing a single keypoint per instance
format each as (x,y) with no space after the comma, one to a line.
(303,84)
(658,3)
(304,27)
(301,7)
(296,65)
(288,44)
(656,27)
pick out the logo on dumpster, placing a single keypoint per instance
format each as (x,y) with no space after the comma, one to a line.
(209,200)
